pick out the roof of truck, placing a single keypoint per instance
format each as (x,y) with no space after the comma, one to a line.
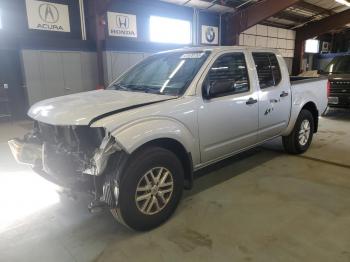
(220,48)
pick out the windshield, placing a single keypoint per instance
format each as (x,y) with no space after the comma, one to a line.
(339,65)
(167,73)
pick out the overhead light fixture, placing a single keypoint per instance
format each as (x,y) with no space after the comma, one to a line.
(312,46)
(343,2)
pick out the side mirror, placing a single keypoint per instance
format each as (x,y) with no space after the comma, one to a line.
(216,88)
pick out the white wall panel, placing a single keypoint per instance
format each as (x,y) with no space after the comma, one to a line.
(281,43)
(271,37)
(290,34)
(251,31)
(272,31)
(261,30)
(281,33)
(271,42)
(241,39)
(249,40)
(261,41)
(290,44)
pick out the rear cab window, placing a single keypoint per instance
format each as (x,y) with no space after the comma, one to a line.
(268,69)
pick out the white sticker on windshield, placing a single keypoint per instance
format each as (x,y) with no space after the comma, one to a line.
(192,55)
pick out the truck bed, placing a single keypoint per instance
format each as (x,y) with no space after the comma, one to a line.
(313,87)
(304,79)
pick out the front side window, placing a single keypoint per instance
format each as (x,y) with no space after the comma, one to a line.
(268,69)
(165,74)
(232,70)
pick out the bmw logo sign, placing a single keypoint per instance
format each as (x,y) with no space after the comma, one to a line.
(210,34)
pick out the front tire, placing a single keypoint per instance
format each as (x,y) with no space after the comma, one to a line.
(150,190)
(300,138)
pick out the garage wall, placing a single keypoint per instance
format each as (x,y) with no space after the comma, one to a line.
(55,73)
(269,36)
(123,52)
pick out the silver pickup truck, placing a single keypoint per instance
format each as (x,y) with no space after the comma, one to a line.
(136,145)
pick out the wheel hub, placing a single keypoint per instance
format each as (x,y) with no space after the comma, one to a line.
(304,132)
(154,190)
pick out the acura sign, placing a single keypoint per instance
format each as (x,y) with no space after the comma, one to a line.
(47,16)
(120,24)
(210,35)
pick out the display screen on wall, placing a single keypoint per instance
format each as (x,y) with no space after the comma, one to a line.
(210,35)
(169,30)
(47,16)
(122,25)
(312,46)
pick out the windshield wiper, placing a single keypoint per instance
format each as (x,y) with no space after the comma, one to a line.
(141,88)
(145,89)
(119,86)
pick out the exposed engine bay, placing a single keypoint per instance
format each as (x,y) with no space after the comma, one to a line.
(73,157)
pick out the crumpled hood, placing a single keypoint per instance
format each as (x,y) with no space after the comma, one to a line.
(81,108)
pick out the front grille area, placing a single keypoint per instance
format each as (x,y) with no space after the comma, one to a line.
(340,87)
(66,152)
(74,138)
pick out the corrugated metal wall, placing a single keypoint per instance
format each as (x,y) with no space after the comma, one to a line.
(55,73)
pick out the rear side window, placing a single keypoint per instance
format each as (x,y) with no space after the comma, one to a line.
(231,67)
(268,69)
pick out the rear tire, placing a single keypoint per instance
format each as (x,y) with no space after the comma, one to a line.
(150,190)
(300,138)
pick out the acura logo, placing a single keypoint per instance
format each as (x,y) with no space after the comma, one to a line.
(122,21)
(49,13)
(210,34)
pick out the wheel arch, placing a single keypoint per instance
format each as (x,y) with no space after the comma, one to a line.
(296,109)
(310,106)
(179,150)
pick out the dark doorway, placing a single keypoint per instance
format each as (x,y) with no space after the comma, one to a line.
(11,79)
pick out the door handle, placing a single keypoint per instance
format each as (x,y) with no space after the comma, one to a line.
(251,101)
(284,94)
(67,88)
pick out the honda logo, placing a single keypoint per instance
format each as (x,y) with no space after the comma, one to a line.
(122,25)
(122,21)
(49,13)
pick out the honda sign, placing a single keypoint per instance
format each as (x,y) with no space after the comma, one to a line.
(47,16)
(120,24)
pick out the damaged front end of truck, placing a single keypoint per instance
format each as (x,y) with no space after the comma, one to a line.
(76,158)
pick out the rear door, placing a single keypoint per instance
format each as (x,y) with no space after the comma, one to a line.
(274,94)
(229,122)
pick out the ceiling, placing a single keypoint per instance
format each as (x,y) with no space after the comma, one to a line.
(293,17)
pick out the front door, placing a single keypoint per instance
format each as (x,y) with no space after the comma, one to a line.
(228,122)
(274,96)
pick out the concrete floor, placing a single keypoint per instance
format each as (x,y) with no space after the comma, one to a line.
(263,205)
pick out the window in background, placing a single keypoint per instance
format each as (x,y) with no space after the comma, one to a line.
(169,30)
(312,46)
